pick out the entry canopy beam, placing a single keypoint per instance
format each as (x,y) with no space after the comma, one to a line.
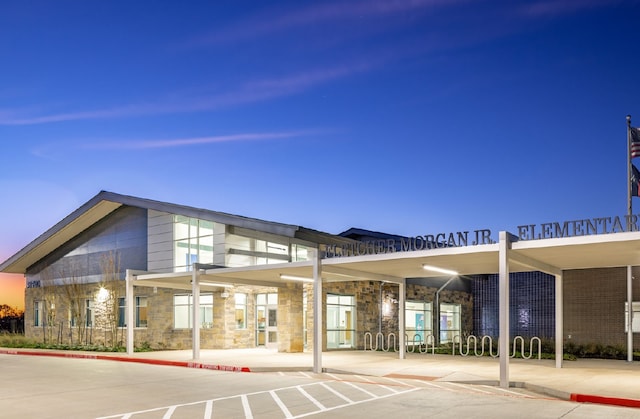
(531,263)
(353,274)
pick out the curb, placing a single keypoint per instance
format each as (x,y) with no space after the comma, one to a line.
(186,364)
(587,398)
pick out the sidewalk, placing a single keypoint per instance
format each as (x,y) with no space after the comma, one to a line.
(585,380)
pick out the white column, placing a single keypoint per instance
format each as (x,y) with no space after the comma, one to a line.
(559,322)
(401,318)
(630,314)
(195,327)
(317,311)
(129,302)
(503,298)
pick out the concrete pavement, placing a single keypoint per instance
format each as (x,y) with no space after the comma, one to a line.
(584,380)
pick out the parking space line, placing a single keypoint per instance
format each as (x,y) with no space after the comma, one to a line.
(169,412)
(342,396)
(287,413)
(470,388)
(361,389)
(208,409)
(245,406)
(364,378)
(304,374)
(313,400)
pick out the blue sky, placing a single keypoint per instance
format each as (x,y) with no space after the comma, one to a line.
(404,116)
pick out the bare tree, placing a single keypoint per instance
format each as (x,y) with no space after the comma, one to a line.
(49,299)
(74,295)
(109,292)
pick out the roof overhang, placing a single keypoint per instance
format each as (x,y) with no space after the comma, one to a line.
(548,255)
(56,236)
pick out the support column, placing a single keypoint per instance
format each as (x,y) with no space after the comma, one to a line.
(503,298)
(129,310)
(630,314)
(559,322)
(195,327)
(317,311)
(401,317)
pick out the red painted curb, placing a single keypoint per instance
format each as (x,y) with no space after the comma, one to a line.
(587,398)
(186,364)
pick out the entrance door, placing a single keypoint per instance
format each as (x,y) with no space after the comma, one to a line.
(267,320)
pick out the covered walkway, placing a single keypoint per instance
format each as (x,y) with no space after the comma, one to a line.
(551,255)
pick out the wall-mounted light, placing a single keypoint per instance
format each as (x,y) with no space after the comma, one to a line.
(440,270)
(103,294)
(295,278)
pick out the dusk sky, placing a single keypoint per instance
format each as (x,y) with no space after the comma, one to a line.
(409,117)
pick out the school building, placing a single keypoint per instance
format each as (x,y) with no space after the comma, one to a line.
(137,272)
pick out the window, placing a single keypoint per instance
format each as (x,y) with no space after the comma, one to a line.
(193,242)
(182,308)
(418,322)
(88,305)
(247,251)
(121,312)
(341,321)
(140,314)
(241,311)
(141,311)
(449,322)
(636,317)
(37,313)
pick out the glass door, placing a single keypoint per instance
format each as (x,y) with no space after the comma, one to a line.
(267,320)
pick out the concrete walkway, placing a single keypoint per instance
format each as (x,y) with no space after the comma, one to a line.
(586,380)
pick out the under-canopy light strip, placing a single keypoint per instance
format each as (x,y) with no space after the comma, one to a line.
(215,284)
(440,270)
(295,278)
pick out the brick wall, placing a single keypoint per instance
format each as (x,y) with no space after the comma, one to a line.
(594,305)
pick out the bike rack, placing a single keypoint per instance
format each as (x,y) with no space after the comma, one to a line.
(430,340)
(522,353)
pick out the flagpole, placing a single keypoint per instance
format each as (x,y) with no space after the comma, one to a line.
(629,206)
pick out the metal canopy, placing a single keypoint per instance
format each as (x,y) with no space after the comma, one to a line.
(548,255)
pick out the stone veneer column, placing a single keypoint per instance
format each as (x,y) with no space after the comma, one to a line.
(290,319)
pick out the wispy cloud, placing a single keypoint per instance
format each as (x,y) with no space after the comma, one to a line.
(551,8)
(318,13)
(252,91)
(185,142)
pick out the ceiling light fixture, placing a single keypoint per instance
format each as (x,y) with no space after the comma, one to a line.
(295,278)
(216,284)
(440,270)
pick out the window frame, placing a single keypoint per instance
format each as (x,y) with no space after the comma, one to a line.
(206,311)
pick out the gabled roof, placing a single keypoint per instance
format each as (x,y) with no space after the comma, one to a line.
(105,203)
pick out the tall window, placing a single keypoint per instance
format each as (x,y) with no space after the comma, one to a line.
(88,306)
(193,242)
(449,322)
(417,322)
(37,313)
(140,313)
(241,310)
(182,308)
(341,325)
(121,312)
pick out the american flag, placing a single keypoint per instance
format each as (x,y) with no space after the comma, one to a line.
(635,142)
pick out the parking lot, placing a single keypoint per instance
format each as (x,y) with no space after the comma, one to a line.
(50,387)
